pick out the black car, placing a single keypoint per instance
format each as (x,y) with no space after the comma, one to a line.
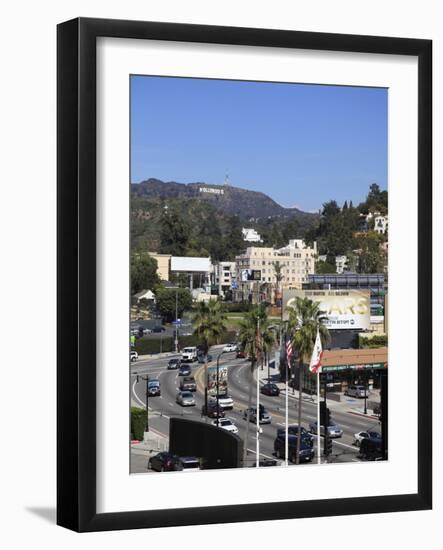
(201,358)
(174,363)
(165,462)
(371,448)
(213,410)
(184,370)
(306,451)
(293,430)
(158,328)
(270,389)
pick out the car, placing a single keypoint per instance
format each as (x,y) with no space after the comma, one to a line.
(189,354)
(188,383)
(355,390)
(134,356)
(264,416)
(241,354)
(154,387)
(173,363)
(146,331)
(202,358)
(270,389)
(164,462)
(189,463)
(371,448)
(293,430)
(158,328)
(265,462)
(224,401)
(185,399)
(369,434)
(225,424)
(306,451)
(184,370)
(333,429)
(230,347)
(212,410)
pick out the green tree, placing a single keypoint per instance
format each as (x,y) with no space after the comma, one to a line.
(324,267)
(305,319)
(209,323)
(143,273)
(166,302)
(371,258)
(174,232)
(256,338)
(233,243)
(278,267)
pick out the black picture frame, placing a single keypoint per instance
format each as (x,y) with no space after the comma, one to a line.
(76,293)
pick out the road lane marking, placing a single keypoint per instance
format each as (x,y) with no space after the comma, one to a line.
(135,395)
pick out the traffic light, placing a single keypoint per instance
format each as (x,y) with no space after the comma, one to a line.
(328,418)
(327,449)
(325,414)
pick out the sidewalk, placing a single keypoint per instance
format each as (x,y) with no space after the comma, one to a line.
(346,404)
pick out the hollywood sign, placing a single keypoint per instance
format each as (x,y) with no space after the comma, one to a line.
(211,190)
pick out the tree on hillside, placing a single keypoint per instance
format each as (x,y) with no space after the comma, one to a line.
(166,302)
(233,243)
(143,273)
(174,232)
(371,258)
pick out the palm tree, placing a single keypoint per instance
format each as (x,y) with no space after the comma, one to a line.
(305,319)
(209,326)
(278,276)
(256,337)
(209,323)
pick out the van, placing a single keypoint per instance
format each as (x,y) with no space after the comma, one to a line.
(357,391)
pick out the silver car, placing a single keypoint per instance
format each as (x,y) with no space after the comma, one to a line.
(334,431)
(355,390)
(185,399)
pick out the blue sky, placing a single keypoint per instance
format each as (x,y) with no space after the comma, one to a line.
(300,144)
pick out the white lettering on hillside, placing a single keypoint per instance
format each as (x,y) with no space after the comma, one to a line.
(211,190)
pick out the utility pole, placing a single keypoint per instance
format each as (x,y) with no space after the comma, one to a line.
(147,401)
(176,321)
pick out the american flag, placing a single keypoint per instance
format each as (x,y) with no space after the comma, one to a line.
(289,351)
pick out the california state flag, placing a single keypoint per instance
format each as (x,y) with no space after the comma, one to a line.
(317,354)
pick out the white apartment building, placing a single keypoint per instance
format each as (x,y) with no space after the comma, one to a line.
(250,235)
(224,276)
(296,259)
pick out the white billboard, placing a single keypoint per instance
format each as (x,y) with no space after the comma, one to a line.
(343,309)
(194,265)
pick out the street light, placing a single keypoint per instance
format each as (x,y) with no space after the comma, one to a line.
(218,393)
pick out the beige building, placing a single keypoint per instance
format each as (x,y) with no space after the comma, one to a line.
(163,264)
(296,259)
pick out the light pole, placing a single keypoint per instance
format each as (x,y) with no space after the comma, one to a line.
(218,393)
(176,321)
(366,392)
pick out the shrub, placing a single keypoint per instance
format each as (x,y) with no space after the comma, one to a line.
(376,341)
(138,423)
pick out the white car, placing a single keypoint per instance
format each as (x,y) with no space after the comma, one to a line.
(225,424)
(230,347)
(134,355)
(224,401)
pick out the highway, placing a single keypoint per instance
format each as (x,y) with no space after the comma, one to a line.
(162,408)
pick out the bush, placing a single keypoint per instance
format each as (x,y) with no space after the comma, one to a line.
(236,307)
(376,341)
(147,346)
(138,423)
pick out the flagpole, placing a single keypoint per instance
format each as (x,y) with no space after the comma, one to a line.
(286,418)
(318,419)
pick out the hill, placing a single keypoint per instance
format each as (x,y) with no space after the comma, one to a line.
(232,201)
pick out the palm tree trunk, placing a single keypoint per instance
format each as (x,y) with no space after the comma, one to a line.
(251,383)
(300,366)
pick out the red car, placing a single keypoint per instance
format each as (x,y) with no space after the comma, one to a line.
(241,354)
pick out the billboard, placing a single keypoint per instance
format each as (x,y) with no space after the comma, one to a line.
(250,275)
(193,265)
(222,380)
(343,309)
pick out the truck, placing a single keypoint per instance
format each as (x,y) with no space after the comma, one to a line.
(189,355)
